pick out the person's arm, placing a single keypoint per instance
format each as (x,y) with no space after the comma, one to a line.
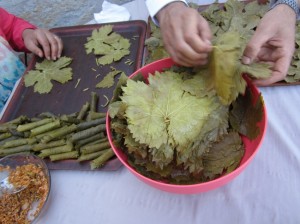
(23,36)
(185,33)
(154,6)
(293,4)
(13,28)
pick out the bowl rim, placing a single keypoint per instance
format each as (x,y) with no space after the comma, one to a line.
(47,173)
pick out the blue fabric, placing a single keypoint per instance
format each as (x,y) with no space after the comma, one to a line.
(11,69)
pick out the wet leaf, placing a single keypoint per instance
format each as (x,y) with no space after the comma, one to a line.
(224,68)
(224,156)
(246,114)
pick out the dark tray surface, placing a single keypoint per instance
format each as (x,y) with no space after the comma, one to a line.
(65,98)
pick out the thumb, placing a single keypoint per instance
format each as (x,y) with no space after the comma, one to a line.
(253,47)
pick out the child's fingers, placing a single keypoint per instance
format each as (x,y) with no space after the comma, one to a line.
(60,46)
(55,45)
(51,44)
(44,43)
(33,46)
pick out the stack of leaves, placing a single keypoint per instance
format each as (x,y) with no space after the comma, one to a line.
(234,16)
(107,44)
(46,71)
(155,46)
(80,136)
(175,128)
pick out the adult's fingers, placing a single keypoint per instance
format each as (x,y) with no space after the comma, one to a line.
(280,69)
(184,55)
(254,46)
(197,35)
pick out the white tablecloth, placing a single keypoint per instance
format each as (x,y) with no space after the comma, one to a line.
(268,191)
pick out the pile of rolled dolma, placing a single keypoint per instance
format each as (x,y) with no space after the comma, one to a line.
(80,136)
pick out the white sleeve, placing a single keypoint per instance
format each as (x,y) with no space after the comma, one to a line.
(155,5)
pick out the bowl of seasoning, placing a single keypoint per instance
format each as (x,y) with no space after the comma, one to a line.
(25,187)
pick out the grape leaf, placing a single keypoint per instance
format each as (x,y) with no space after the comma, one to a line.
(100,39)
(257,70)
(198,85)
(118,90)
(46,71)
(223,156)
(224,68)
(162,113)
(108,80)
(107,44)
(112,55)
(245,115)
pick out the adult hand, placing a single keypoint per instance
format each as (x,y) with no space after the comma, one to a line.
(185,33)
(43,43)
(273,42)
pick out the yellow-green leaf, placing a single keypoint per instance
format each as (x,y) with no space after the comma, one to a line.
(46,71)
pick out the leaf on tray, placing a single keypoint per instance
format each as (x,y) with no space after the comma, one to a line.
(107,44)
(109,79)
(46,71)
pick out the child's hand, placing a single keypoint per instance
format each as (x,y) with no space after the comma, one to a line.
(43,43)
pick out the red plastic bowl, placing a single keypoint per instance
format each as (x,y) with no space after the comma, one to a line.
(251,147)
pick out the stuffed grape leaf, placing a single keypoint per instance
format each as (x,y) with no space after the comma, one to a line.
(46,71)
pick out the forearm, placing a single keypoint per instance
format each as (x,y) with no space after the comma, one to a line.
(13,28)
(292,4)
(154,6)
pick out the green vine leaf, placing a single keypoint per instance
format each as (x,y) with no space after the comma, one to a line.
(109,79)
(162,113)
(107,44)
(46,71)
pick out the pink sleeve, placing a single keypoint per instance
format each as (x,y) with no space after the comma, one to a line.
(12,27)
